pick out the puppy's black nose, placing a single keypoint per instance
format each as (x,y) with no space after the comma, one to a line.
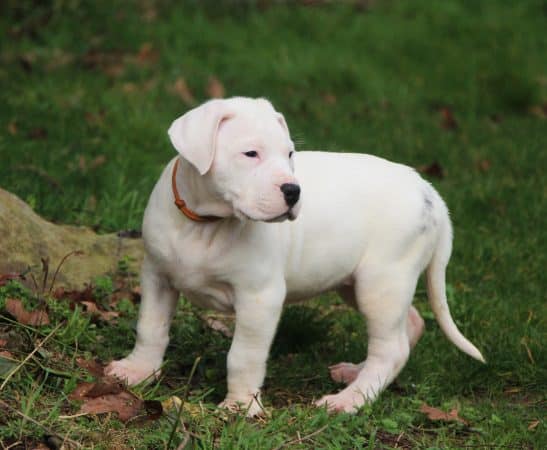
(291,192)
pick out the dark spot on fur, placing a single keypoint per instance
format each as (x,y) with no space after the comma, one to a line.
(427,213)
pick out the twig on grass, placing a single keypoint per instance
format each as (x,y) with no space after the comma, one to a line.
(35,422)
(68,255)
(179,415)
(299,439)
(22,363)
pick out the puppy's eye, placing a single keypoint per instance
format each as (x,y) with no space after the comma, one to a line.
(290,154)
(251,154)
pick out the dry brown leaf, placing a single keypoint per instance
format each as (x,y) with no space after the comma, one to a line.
(33,318)
(438,414)
(180,87)
(92,308)
(149,13)
(217,325)
(105,386)
(448,121)
(82,163)
(97,161)
(94,367)
(7,277)
(58,58)
(533,424)
(513,390)
(95,119)
(12,128)
(6,354)
(109,395)
(147,54)
(37,133)
(110,63)
(484,165)
(125,404)
(433,170)
(41,446)
(75,295)
(539,111)
(330,99)
(215,88)
(3,343)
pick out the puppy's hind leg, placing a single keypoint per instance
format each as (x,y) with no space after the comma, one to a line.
(384,298)
(158,304)
(345,372)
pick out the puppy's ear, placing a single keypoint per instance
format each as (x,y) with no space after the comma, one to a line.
(281,120)
(194,134)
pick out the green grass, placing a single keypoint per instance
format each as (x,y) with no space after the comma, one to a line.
(83,140)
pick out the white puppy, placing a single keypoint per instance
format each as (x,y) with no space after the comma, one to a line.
(363,226)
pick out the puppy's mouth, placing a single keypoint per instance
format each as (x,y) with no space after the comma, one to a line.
(287,215)
(282,217)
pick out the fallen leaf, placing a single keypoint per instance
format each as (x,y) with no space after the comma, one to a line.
(7,277)
(41,446)
(82,163)
(6,354)
(180,87)
(26,62)
(3,343)
(33,318)
(217,325)
(97,161)
(173,404)
(147,54)
(95,119)
(37,133)
(94,367)
(533,424)
(105,386)
(215,89)
(330,99)
(110,63)
(125,404)
(149,13)
(484,165)
(12,128)
(58,58)
(75,295)
(512,390)
(108,395)
(92,308)
(448,121)
(433,170)
(437,414)
(539,111)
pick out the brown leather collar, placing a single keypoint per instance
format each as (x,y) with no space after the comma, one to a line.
(181,204)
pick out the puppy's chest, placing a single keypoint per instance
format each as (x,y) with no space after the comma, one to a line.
(201,274)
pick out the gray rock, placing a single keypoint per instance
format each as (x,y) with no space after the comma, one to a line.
(25,238)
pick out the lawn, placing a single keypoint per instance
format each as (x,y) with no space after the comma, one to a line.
(457,89)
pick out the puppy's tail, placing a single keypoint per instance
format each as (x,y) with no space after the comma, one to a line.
(436,290)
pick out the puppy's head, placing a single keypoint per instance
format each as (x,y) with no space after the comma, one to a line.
(242,148)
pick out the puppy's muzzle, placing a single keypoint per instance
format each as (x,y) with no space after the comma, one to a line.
(291,192)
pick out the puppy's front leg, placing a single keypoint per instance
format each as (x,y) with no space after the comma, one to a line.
(257,316)
(158,303)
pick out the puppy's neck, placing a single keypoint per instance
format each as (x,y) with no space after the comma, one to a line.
(198,192)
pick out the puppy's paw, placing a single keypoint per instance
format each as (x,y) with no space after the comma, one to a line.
(132,371)
(251,406)
(344,372)
(345,401)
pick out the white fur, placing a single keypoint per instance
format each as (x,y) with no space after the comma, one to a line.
(364,226)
